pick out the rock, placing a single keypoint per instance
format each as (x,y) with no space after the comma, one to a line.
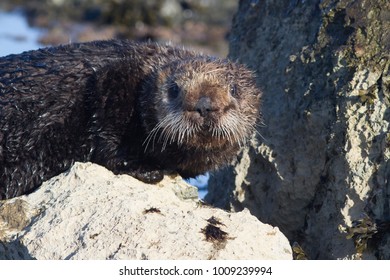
(90,213)
(322,166)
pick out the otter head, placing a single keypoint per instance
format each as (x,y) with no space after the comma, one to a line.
(202,103)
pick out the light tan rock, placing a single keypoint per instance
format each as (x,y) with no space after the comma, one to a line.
(90,213)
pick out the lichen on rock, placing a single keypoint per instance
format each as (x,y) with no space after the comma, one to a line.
(323,161)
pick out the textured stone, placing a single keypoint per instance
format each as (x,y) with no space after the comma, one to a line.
(89,213)
(323,159)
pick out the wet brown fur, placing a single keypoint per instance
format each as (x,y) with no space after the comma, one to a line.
(116,103)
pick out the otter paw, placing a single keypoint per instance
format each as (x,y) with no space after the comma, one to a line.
(149,177)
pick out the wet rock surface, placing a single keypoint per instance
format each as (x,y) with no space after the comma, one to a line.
(203,25)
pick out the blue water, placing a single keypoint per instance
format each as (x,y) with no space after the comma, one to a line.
(16,35)
(201,182)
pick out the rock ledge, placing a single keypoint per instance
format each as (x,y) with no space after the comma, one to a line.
(90,213)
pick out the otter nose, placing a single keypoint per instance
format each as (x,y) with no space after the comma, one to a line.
(203,107)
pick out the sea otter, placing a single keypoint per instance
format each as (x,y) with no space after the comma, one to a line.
(142,109)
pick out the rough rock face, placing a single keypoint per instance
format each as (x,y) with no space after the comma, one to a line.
(321,170)
(89,213)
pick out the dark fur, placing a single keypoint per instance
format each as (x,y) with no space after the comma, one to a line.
(91,102)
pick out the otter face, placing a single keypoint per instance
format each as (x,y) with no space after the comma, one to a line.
(204,104)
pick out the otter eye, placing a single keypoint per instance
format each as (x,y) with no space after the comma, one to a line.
(173,90)
(233,90)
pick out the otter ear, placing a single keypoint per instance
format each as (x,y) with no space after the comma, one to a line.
(246,73)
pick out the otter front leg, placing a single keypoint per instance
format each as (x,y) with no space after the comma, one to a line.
(121,160)
(147,176)
(144,173)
